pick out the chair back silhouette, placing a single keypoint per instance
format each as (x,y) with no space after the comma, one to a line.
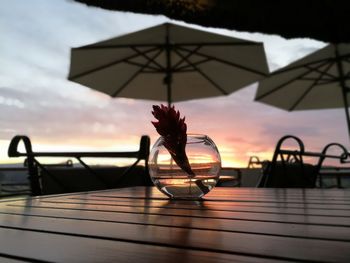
(288,169)
(333,173)
(254,162)
(53,179)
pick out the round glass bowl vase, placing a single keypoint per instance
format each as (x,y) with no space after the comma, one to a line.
(170,179)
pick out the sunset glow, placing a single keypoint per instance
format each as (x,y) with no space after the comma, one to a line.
(37,100)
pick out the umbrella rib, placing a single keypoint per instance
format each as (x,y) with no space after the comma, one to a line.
(133,76)
(323,61)
(140,65)
(152,60)
(323,80)
(185,67)
(188,67)
(106,65)
(285,83)
(204,75)
(289,68)
(190,53)
(326,82)
(311,87)
(324,72)
(228,63)
(329,77)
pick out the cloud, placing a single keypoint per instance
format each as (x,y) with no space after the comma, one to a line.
(36,99)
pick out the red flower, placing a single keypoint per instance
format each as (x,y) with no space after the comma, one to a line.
(173,129)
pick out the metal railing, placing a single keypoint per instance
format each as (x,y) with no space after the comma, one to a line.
(297,156)
(33,164)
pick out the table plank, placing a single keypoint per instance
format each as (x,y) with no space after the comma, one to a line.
(204,214)
(222,194)
(140,224)
(51,247)
(218,204)
(205,205)
(215,241)
(230,225)
(237,192)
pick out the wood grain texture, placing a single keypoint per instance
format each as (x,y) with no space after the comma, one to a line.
(206,240)
(210,206)
(48,247)
(204,214)
(230,224)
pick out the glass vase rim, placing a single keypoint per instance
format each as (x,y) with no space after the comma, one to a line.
(193,135)
(196,134)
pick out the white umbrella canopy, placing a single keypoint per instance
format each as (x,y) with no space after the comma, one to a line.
(318,81)
(169,63)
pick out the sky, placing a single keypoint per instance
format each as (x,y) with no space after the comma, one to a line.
(37,100)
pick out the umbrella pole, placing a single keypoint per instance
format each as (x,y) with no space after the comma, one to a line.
(346,105)
(169,93)
(168,76)
(344,88)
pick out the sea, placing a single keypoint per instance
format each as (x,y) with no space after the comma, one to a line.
(13,180)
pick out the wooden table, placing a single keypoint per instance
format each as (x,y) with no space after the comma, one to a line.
(141,225)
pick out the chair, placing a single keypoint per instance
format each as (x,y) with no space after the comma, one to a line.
(331,176)
(288,169)
(254,162)
(54,179)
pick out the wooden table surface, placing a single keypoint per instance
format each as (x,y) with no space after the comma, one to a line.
(141,225)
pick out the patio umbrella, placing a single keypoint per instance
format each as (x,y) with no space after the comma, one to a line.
(317,81)
(169,63)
